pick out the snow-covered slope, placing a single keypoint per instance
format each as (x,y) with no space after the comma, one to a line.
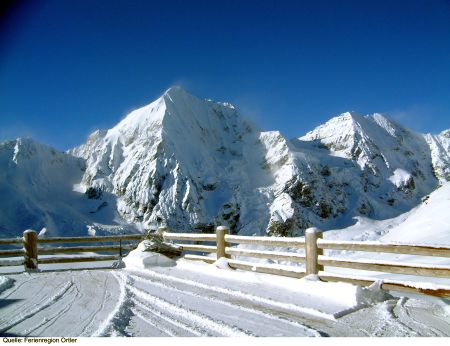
(440,154)
(191,163)
(427,223)
(382,168)
(37,190)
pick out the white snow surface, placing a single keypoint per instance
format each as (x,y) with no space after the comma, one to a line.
(141,259)
(197,299)
(400,177)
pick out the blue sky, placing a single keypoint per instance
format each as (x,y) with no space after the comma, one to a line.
(69,67)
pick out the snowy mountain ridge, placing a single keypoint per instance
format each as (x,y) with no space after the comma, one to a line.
(190,163)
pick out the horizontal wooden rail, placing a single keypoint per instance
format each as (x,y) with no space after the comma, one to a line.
(11,241)
(75,249)
(11,252)
(267,241)
(200,258)
(190,236)
(389,267)
(313,244)
(11,263)
(104,239)
(268,268)
(55,260)
(283,256)
(198,248)
(31,251)
(421,250)
(437,290)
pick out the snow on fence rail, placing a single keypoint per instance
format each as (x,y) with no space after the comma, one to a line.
(315,260)
(31,251)
(312,243)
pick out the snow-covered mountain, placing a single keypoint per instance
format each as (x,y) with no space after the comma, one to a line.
(191,163)
(38,190)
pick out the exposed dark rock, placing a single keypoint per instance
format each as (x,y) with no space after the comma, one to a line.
(154,242)
(93,193)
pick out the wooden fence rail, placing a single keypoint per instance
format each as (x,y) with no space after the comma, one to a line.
(315,261)
(313,256)
(31,250)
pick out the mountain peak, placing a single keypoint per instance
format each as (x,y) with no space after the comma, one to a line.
(177,92)
(351,115)
(175,89)
(339,128)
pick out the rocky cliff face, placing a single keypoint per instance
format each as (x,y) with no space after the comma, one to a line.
(192,164)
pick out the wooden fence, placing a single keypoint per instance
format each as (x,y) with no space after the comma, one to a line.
(31,251)
(313,256)
(315,261)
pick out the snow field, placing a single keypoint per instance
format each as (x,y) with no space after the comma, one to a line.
(196,299)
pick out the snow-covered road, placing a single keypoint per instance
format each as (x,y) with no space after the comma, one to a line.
(178,301)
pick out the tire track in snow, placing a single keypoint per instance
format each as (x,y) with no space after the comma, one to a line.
(89,320)
(151,323)
(14,289)
(49,321)
(158,314)
(109,321)
(197,318)
(46,303)
(161,315)
(306,329)
(23,304)
(390,320)
(243,295)
(402,313)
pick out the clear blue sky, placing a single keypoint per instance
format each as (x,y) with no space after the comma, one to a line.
(68,67)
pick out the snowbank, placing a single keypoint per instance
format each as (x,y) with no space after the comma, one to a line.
(141,259)
(332,298)
(5,283)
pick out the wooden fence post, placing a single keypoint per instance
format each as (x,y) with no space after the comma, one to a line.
(31,253)
(312,251)
(220,241)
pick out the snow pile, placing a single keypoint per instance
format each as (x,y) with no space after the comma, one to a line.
(349,297)
(5,283)
(371,295)
(222,263)
(139,258)
(319,298)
